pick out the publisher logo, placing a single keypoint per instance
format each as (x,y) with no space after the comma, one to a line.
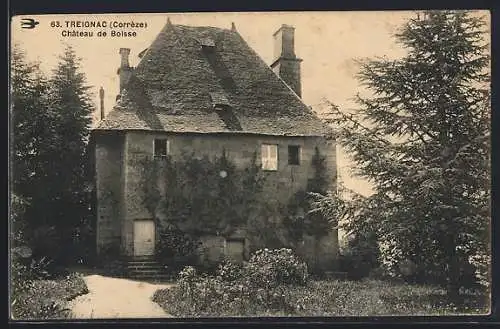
(29,23)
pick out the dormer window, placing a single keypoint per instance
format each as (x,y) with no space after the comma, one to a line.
(207,43)
(219,100)
(161,148)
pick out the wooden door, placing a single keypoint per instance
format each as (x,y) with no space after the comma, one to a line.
(144,237)
(234,249)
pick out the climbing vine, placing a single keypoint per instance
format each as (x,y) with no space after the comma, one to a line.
(195,196)
(299,217)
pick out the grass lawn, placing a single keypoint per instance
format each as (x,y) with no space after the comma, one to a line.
(332,298)
(45,299)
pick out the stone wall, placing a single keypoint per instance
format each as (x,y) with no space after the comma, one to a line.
(108,173)
(279,187)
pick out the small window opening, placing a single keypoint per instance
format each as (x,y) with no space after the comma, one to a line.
(219,101)
(160,148)
(207,44)
(293,155)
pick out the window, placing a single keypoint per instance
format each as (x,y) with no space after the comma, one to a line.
(208,43)
(269,154)
(293,155)
(161,148)
(219,100)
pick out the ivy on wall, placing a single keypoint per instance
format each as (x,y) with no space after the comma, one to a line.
(298,215)
(194,196)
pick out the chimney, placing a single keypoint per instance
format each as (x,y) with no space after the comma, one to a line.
(101,97)
(125,70)
(286,64)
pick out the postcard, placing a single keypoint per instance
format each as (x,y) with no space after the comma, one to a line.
(250,164)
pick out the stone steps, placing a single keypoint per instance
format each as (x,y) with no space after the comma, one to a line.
(146,268)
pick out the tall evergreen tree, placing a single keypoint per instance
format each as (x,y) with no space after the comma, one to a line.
(50,128)
(70,100)
(30,122)
(31,134)
(423,140)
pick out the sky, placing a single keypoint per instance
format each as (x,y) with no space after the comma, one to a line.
(328,43)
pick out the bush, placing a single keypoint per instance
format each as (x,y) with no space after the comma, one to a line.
(259,286)
(229,272)
(176,248)
(40,299)
(214,297)
(29,268)
(271,268)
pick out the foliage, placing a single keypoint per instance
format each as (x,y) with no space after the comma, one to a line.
(194,196)
(254,287)
(176,248)
(271,267)
(41,299)
(38,290)
(17,223)
(35,293)
(202,195)
(228,271)
(422,140)
(51,118)
(264,229)
(361,255)
(320,181)
(299,215)
(30,121)
(109,262)
(219,298)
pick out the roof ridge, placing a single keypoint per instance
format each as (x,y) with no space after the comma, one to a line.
(203,27)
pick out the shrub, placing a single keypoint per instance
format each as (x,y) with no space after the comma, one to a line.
(41,299)
(260,286)
(212,296)
(176,248)
(229,272)
(273,267)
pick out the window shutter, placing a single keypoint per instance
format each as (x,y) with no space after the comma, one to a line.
(269,156)
(264,151)
(273,151)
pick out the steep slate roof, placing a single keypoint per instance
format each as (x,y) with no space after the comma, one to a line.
(173,86)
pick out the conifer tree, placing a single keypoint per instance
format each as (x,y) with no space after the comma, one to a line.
(30,134)
(71,101)
(422,138)
(30,122)
(50,127)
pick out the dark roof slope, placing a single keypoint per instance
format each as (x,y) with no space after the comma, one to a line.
(172,87)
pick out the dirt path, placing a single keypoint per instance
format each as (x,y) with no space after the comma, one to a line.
(117,298)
